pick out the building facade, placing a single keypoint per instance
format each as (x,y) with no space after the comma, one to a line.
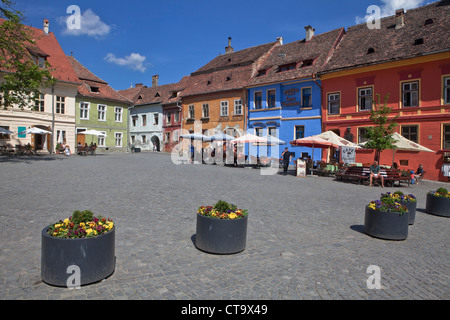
(414,74)
(99,107)
(285,94)
(54,109)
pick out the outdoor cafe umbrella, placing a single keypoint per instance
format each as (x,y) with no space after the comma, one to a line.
(312,142)
(196,136)
(271,140)
(249,138)
(221,137)
(34,130)
(337,140)
(4,131)
(93,133)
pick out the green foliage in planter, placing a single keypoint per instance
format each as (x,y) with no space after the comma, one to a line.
(82,216)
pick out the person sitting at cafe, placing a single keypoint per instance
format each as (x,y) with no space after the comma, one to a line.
(375,173)
(419,172)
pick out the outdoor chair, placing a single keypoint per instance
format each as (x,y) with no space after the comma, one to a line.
(420,179)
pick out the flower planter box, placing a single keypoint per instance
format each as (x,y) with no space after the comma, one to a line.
(438,206)
(94,256)
(411,211)
(386,225)
(221,236)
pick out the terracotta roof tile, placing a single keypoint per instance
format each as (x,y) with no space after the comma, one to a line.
(419,36)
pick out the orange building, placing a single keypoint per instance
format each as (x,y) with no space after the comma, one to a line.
(409,59)
(215,93)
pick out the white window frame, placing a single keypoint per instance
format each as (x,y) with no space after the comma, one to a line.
(191,112)
(176,117)
(102,113)
(224,108)
(60,105)
(447,90)
(39,102)
(118,138)
(101,140)
(118,114)
(333,98)
(84,110)
(407,89)
(363,94)
(205,111)
(238,106)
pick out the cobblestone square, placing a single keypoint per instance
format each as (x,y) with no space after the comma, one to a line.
(305,235)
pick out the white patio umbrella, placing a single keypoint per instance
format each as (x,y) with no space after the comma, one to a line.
(35,130)
(196,136)
(337,140)
(249,138)
(93,133)
(221,137)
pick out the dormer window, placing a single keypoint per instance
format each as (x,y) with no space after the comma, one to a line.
(261,73)
(157,95)
(307,63)
(418,41)
(428,21)
(229,78)
(95,89)
(287,67)
(370,51)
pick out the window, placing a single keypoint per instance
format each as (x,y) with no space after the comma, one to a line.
(118,111)
(144,139)
(272,131)
(411,133)
(410,94)
(271,98)
(133,139)
(299,132)
(101,140)
(307,63)
(39,103)
(84,110)
(118,138)
(60,104)
(447,90)
(167,137)
(446,138)
(259,132)
(6,136)
(362,132)
(205,110)
(191,112)
(177,117)
(61,135)
(261,73)
(286,67)
(101,112)
(155,119)
(238,107)
(144,120)
(306,97)
(168,117)
(134,120)
(258,100)
(365,99)
(223,108)
(334,101)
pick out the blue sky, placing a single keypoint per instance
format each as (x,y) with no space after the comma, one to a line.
(127,42)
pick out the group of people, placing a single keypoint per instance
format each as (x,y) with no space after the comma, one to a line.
(375,172)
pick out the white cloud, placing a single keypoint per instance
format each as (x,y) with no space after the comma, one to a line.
(389,7)
(90,24)
(134,61)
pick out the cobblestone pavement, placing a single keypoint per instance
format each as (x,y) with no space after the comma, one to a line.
(305,235)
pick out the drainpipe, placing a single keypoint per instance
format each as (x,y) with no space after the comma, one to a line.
(53,119)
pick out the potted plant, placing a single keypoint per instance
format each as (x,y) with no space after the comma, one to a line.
(82,241)
(409,201)
(221,229)
(438,202)
(386,219)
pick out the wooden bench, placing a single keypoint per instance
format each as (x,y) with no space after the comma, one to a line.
(362,174)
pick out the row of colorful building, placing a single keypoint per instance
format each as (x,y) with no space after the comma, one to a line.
(290,90)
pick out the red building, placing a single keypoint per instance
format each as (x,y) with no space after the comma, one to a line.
(408,58)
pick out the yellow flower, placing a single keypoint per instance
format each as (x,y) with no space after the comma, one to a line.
(82,224)
(232,215)
(66,221)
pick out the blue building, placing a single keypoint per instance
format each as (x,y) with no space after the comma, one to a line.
(284,95)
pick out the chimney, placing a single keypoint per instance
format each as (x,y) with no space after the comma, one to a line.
(400,16)
(155,79)
(138,85)
(229,49)
(280,40)
(46,26)
(309,32)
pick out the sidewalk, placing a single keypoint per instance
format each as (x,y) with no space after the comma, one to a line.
(305,235)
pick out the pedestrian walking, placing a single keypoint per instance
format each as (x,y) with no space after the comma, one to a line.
(287,157)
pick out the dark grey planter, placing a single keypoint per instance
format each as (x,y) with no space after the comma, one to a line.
(411,211)
(94,256)
(386,225)
(438,206)
(221,236)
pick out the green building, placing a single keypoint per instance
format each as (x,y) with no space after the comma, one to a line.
(99,107)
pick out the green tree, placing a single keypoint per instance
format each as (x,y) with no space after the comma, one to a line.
(380,135)
(21,78)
